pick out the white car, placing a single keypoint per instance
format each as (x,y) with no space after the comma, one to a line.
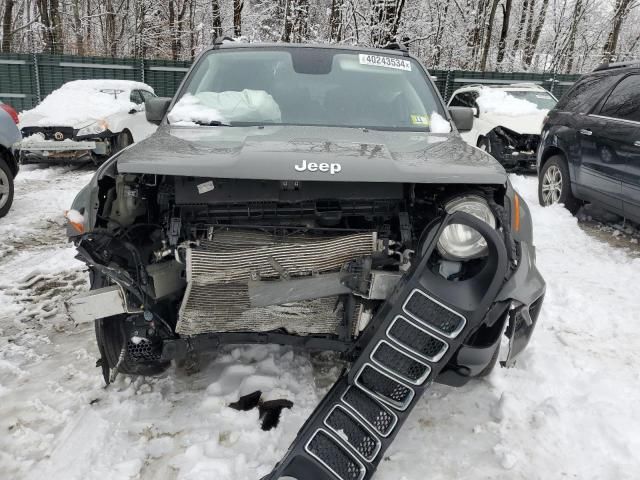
(85,119)
(508,120)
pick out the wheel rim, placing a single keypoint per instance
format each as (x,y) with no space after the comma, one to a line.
(551,185)
(5,188)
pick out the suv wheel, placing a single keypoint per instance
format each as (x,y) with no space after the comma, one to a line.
(6,188)
(554,184)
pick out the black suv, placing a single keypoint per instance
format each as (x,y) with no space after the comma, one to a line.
(590,144)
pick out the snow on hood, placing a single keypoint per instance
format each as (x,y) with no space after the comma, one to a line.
(516,114)
(82,102)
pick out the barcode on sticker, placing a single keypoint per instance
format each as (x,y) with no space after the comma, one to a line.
(205,187)
(389,62)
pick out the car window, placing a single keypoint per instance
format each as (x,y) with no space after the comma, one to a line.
(543,100)
(465,99)
(146,95)
(624,100)
(586,93)
(136,97)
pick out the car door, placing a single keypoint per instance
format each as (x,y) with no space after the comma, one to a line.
(602,161)
(621,111)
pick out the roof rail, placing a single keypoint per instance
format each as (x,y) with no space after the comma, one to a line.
(221,40)
(608,66)
(396,45)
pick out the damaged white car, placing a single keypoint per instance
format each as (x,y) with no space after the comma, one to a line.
(508,121)
(85,120)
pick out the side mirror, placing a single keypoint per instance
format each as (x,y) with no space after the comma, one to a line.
(156,108)
(462,118)
(476,112)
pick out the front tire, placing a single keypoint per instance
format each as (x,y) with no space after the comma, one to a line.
(554,184)
(6,188)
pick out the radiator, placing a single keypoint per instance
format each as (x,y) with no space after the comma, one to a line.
(218,271)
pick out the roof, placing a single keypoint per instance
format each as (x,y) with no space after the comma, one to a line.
(511,86)
(236,44)
(107,84)
(618,65)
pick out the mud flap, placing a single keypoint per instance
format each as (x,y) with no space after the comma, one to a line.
(405,346)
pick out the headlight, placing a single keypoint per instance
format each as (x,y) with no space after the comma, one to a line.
(459,242)
(93,129)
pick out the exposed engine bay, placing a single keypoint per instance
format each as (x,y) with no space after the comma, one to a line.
(195,256)
(514,150)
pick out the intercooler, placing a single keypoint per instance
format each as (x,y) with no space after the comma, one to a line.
(219,272)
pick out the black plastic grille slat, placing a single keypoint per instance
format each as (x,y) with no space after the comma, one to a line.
(354,433)
(400,363)
(415,339)
(385,387)
(334,456)
(378,416)
(433,314)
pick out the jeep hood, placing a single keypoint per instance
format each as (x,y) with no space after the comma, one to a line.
(273,152)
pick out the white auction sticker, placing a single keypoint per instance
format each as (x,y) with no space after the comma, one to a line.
(205,187)
(389,62)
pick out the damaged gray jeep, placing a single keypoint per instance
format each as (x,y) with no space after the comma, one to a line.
(317,197)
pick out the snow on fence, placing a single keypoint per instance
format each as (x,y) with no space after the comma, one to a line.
(26,79)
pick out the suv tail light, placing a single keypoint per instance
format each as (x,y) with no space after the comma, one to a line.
(9,109)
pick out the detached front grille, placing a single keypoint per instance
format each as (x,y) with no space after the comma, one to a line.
(332,455)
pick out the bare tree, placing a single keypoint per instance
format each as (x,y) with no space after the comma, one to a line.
(620,12)
(7,26)
(216,20)
(384,20)
(335,20)
(532,42)
(504,31)
(51,24)
(238,5)
(488,33)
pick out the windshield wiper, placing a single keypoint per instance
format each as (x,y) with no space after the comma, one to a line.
(213,123)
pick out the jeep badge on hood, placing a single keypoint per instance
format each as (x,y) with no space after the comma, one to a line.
(332,168)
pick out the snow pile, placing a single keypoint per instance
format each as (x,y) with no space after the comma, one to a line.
(207,107)
(31,139)
(439,124)
(499,102)
(82,102)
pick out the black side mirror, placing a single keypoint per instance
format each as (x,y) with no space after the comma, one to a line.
(155,108)
(462,118)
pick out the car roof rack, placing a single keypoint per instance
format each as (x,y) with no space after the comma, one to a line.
(396,45)
(609,66)
(222,39)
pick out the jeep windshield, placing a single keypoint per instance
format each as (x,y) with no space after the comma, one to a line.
(309,86)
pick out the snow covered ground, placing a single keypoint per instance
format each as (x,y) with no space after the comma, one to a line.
(570,409)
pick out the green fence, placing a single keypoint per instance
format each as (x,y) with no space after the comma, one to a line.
(27,79)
